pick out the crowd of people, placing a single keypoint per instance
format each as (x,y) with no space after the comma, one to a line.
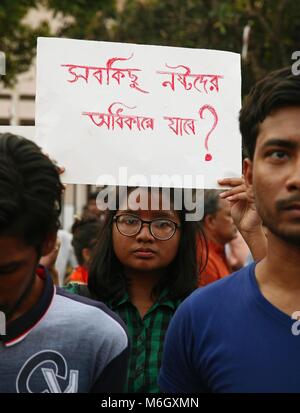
(145,301)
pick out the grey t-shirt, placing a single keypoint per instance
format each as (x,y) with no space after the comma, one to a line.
(65,344)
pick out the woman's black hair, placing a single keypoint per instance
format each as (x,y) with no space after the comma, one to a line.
(106,276)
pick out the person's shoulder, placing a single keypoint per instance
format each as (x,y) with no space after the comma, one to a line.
(222,292)
(85,301)
(91,316)
(226,285)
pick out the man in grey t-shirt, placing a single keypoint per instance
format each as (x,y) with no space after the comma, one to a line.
(55,342)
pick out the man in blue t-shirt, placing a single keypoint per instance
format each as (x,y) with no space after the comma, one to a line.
(240,334)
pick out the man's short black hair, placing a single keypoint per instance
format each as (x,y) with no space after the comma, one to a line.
(211,201)
(279,89)
(92,196)
(30,191)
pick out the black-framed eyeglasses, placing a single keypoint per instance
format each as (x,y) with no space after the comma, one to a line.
(160,228)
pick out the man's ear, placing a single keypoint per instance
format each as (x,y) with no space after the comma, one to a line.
(49,243)
(248,172)
(209,221)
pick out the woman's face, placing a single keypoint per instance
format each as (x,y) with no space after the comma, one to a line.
(143,252)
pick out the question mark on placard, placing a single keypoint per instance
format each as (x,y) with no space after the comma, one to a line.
(208,156)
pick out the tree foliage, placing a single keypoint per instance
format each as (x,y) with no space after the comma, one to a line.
(18,39)
(213,24)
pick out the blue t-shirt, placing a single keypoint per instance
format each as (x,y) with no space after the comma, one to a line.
(227,337)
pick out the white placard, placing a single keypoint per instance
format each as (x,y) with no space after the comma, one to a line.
(128,114)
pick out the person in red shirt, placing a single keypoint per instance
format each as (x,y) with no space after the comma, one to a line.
(219,229)
(85,232)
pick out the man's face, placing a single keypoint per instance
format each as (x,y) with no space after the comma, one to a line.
(17,265)
(224,229)
(274,173)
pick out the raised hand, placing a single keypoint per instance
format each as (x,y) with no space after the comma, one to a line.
(245,215)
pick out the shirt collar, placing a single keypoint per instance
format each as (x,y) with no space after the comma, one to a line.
(163,300)
(18,329)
